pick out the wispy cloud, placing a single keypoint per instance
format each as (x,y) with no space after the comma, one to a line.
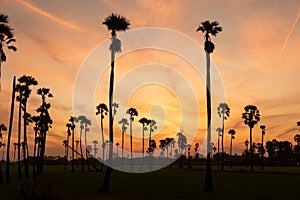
(290,33)
(50,16)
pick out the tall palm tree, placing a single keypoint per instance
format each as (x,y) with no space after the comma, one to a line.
(251,116)
(124,123)
(231,132)
(11,117)
(72,121)
(102,111)
(46,123)
(26,82)
(87,123)
(262,151)
(68,125)
(144,121)
(131,112)
(223,112)
(208,28)
(82,120)
(114,24)
(219,130)
(153,127)
(36,120)
(297,139)
(6,39)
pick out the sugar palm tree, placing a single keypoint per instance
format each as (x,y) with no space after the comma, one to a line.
(131,112)
(82,120)
(219,130)
(223,112)
(68,125)
(95,142)
(297,139)
(231,132)
(124,123)
(6,39)
(87,123)
(208,28)
(36,120)
(26,82)
(102,111)
(251,116)
(46,123)
(72,121)
(153,127)
(144,121)
(114,24)
(117,145)
(262,151)
(11,117)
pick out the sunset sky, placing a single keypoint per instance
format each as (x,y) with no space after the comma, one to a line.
(257,57)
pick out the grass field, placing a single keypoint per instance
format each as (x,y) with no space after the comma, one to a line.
(274,183)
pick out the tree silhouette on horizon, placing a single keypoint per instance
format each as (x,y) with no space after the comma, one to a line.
(208,28)
(251,116)
(223,112)
(114,24)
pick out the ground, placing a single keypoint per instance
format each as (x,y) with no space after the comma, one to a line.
(175,183)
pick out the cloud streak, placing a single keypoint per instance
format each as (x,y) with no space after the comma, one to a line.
(50,16)
(290,33)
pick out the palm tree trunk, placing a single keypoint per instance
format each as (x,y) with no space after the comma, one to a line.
(19,139)
(122,149)
(73,135)
(82,160)
(103,147)
(218,150)
(222,154)
(131,167)
(25,147)
(10,129)
(86,152)
(208,174)
(231,152)
(262,152)
(105,185)
(251,151)
(34,152)
(143,142)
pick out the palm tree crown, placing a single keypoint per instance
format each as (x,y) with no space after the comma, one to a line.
(223,110)
(209,28)
(116,23)
(251,115)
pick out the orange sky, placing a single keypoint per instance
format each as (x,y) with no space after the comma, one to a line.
(256,55)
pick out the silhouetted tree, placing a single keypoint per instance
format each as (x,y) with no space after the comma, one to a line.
(45,124)
(114,23)
(11,117)
(95,142)
(66,142)
(124,122)
(117,145)
(84,122)
(181,141)
(6,39)
(102,111)
(72,121)
(262,150)
(37,121)
(223,112)
(208,28)
(219,130)
(131,112)
(231,132)
(144,121)
(153,127)
(251,116)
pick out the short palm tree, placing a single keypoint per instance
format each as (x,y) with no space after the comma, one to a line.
(297,139)
(144,121)
(219,130)
(153,127)
(82,120)
(72,121)
(95,142)
(231,132)
(102,111)
(131,112)
(223,112)
(251,116)
(208,28)
(124,123)
(6,39)
(114,24)
(262,150)
(117,145)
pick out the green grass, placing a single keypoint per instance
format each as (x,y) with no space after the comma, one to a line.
(167,184)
